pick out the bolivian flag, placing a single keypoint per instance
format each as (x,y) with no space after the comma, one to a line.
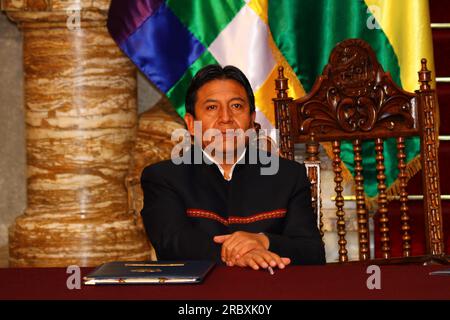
(169,41)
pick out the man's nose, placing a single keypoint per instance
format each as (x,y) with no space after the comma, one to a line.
(225,115)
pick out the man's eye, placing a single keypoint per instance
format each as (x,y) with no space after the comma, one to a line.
(237,105)
(211,107)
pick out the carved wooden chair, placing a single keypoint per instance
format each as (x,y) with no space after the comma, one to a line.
(355,100)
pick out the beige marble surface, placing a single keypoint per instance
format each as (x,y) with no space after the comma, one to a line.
(12,128)
(12,124)
(80,115)
(53,5)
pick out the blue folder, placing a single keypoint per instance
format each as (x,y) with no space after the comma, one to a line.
(149,272)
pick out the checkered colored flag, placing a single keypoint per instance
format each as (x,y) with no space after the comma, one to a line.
(169,41)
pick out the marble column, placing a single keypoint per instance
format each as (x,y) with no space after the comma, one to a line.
(80,114)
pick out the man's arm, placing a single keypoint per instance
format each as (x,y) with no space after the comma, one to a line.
(166,223)
(300,239)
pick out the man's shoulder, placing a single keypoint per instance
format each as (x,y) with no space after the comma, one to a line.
(292,168)
(162,170)
(276,168)
(291,164)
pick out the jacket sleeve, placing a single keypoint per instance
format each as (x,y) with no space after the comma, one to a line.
(168,228)
(300,240)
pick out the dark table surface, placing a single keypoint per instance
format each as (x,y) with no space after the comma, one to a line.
(225,283)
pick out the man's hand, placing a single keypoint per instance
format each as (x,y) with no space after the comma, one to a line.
(239,243)
(260,258)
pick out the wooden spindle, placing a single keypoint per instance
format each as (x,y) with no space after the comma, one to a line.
(361,210)
(382,200)
(402,177)
(312,148)
(283,120)
(312,163)
(339,201)
(434,232)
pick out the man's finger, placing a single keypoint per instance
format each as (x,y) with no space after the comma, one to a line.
(247,261)
(241,262)
(243,249)
(271,258)
(221,238)
(224,240)
(259,259)
(228,245)
(252,263)
(237,249)
(276,260)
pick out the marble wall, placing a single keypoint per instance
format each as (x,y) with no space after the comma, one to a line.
(12,127)
(12,124)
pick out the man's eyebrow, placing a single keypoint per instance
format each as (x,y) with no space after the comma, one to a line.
(215,100)
(237,98)
(210,100)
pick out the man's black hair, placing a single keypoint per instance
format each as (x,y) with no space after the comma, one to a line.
(216,72)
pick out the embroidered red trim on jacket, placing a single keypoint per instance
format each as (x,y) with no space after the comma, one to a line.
(200,213)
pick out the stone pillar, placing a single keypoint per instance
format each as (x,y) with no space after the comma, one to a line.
(80,114)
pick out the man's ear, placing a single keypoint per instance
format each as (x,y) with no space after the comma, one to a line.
(189,119)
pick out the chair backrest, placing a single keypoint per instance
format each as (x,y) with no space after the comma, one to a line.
(355,100)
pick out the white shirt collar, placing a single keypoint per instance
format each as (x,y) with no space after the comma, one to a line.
(210,158)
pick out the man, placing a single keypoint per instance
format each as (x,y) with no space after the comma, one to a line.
(228,210)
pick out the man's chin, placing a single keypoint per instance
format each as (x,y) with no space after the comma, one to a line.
(226,150)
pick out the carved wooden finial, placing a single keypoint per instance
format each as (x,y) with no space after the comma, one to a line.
(312,148)
(424,76)
(281,84)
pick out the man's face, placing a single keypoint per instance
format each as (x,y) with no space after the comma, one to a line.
(222,105)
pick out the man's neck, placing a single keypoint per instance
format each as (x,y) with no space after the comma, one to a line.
(227,170)
(224,163)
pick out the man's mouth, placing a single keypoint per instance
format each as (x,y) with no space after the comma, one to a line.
(228,133)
